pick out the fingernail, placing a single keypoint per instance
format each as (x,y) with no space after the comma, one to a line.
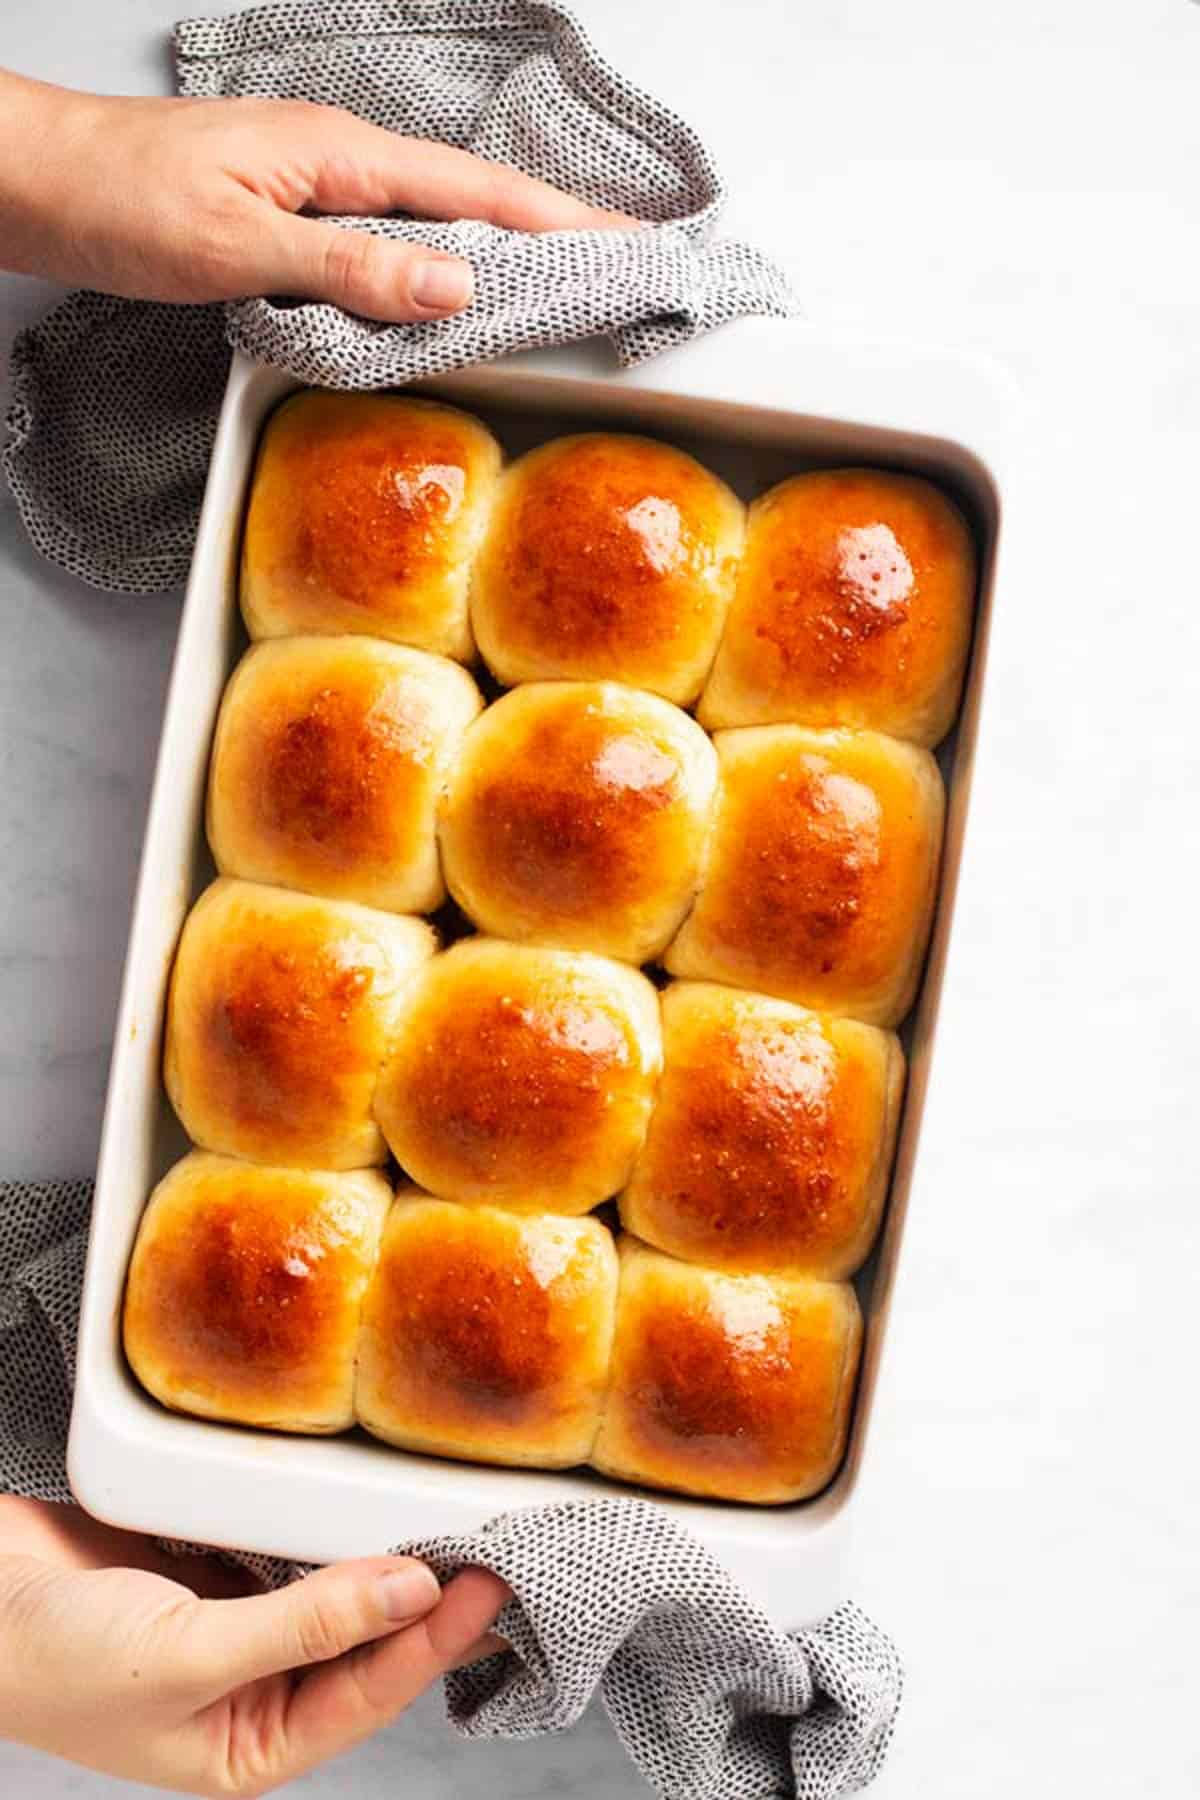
(445,286)
(407,1593)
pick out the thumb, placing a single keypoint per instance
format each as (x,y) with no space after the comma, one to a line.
(227,1643)
(372,276)
(347,1700)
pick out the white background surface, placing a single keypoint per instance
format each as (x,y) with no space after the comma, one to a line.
(1022,179)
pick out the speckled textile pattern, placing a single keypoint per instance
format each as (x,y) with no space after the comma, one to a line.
(115,401)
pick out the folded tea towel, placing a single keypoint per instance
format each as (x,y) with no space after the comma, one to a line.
(710,1699)
(112,419)
(114,401)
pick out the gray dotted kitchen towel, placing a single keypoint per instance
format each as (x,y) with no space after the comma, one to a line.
(710,1699)
(114,401)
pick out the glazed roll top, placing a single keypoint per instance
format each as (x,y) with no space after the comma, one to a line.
(577,816)
(281,1010)
(329,761)
(487,1334)
(771,1141)
(822,871)
(246,1287)
(733,1386)
(853,607)
(365,513)
(522,1076)
(608,557)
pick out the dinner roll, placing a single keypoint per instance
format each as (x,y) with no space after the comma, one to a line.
(486,1334)
(770,1146)
(281,1009)
(246,1287)
(822,871)
(329,761)
(853,607)
(365,512)
(607,557)
(737,1387)
(577,816)
(521,1076)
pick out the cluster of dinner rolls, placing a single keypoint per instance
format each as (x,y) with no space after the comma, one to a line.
(774,850)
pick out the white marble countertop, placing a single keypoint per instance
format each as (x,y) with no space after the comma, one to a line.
(1024,180)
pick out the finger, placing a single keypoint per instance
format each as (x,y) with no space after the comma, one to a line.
(339,1705)
(490,1644)
(371,276)
(470,1605)
(226,1643)
(365,168)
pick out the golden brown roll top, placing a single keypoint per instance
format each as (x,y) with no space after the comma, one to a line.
(607,557)
(853,607)
(487,1334)
(577,816)
(246,1287)
(771,1141)
(822,871)
(328,765)
(281,1010)
(365,513)
(522,1076)
(738,1387)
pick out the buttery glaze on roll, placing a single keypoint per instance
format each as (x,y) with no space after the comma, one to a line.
(607,557)
(521,1076)
(486,1335)
(822,871)
(577,816)
(853,607)
(771,1141)
(245,1291)
(329,762)
(365,513)
(281,1010)
(736,1387)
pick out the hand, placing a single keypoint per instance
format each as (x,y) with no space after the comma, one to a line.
(201,200)
(125,1669)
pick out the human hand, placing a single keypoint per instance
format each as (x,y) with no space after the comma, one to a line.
(193,200)
(125,1669)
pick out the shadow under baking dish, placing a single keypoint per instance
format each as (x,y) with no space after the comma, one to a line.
(733,401)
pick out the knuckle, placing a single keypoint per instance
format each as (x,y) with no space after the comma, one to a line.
(254,1759)
(239,1782)
(318,1630)
(354,267)
(362,1668)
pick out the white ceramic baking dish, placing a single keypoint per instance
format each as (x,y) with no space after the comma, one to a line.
(756,401)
